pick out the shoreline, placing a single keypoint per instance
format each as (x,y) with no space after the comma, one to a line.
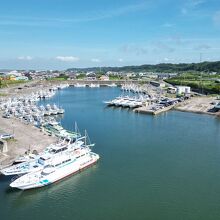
(28,136)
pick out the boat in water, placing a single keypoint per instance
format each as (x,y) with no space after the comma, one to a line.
(25,158)
(66,164)
(93,85)
(41,160)
(80,85)
(59,131)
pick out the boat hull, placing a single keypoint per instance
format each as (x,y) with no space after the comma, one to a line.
(61,175)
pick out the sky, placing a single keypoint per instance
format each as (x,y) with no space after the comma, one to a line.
(60,34)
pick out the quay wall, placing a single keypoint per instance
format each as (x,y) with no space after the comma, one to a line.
(145,110)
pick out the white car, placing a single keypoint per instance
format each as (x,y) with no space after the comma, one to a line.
(6,136)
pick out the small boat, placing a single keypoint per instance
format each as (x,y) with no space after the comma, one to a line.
(25,158)
(79,85)
(92,85)
(112,85)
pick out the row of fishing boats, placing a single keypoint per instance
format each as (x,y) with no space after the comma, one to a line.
(28,111)
(40,116)
(126,101)
(56,162)
(92,85)
(135,88)
(49,93)
(52,127)
(152,103)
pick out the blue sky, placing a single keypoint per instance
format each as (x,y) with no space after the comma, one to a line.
(58,34)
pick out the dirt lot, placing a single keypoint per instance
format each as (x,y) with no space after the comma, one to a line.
(26,136)
(198,105)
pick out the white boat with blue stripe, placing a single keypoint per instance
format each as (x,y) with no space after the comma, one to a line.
(68,163)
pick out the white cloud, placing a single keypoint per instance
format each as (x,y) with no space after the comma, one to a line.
(95,60)
(166,59)
(120,60)
(67,58)
(190,5)
(25,58)
(87,17)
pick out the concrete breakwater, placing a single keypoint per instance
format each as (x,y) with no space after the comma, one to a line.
(147,110)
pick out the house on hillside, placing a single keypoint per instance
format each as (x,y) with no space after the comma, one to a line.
(104,78)
(91,76)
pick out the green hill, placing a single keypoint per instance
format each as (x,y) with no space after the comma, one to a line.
(163,67)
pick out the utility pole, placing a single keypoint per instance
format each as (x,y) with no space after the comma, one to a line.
(13,129)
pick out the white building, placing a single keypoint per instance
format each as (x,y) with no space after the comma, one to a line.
(183,90)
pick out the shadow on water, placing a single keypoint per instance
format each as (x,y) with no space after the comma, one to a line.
(4,178)
(53,191)
(119,108)
(10,190)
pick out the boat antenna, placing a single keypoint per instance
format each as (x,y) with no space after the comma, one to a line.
(85,138)
(76,128)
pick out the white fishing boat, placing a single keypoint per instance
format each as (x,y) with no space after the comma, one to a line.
(108,102)
(25,158)
(59,168)
(41,160)
(93,85)
(79,85)
(112,85)
(67,163)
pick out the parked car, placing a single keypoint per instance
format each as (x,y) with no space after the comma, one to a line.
(6,136)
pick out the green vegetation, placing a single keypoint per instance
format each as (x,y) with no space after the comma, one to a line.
(163,67)
(6,83)
(113,77)
(61,77)
(202,82)
(56,79)
(81,76)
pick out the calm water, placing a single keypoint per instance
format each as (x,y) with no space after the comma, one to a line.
(157,168)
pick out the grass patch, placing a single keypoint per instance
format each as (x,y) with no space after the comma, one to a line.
(115,78)
(7,83)
(198,82)
(57,79)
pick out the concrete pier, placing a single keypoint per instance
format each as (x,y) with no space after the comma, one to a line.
(147,110)
(25,137)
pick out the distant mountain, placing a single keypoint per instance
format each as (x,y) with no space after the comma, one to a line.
(163,67)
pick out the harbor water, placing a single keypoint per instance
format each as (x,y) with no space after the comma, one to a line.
(164,167)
